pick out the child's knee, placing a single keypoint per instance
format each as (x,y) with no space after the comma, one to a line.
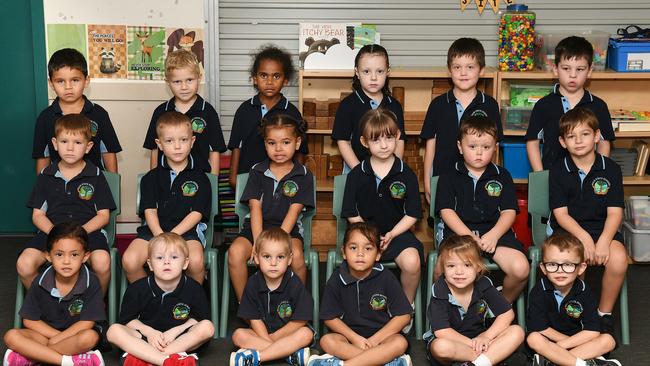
(400,343)
(239,336)
(535,340)
(10,338)
(410,263)
(88,338)
(305,335)
(607,343)
(442,348)
(133,259)
(204,329)
(28,263)
(239,252)
(100,261)
(517,332)
(327,342)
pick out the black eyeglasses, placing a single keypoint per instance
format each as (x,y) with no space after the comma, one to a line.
(553,267)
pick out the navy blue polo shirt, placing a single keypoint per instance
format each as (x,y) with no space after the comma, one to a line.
(365,305)
(587,196)
(573,313)
(85,302)
(76,200)
(477,201)
(394,196)
(103,135)
(206,127)
(146,301)
(445,312)
(544,122)
(277,195)
(442,123)
(289,302)
(245,134)
(347,123)
(175,195)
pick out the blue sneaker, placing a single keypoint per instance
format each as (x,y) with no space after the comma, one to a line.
(299,358)
(403,360)
(245,357)
(324,360)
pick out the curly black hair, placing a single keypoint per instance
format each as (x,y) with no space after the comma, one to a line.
(275,53)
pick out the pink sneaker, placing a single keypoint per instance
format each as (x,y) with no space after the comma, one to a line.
(91,358)
(16,359)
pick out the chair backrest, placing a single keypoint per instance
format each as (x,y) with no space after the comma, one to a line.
(337,204)
(538,206)
(433,183)
(242,210)
(113,180)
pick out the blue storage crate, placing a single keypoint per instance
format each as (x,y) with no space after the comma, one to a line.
(515,159)
(628,56)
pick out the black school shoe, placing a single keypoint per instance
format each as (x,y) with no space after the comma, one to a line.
(466,363)
(539,360)
(602,362)
(517,358)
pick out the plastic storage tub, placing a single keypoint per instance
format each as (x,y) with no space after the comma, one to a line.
(637,212)
(545,48)
(516,118)
(526,95)
(628,55)
(515,159)
(637,242)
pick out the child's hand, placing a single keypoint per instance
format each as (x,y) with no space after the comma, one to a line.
(590,249)
(156,339)
(488,242)
(602,252)
(361,343)
(385,240)
(169,336)
(480,343)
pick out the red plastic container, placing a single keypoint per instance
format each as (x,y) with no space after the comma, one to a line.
(520,227)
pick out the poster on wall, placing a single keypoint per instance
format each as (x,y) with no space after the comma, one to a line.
(107,51)
(190,39)
(319,37)
(66,36)
(146,52)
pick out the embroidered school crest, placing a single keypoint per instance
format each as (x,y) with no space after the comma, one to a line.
(94,127)
(601,186)
(290,188)
(285,311)
(181,311)
(573,309)
(378,302)
(189,188)
(479,113)
(86,191)
(398,190)
(493,188)
(481,307)
(198,124)
(75,307)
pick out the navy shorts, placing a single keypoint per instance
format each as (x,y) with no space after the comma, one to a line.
(96,241)
(248,234)
(399,243)
(508,240)
(595,234)
(146,234)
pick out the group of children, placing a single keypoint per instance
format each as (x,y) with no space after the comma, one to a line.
(164,314)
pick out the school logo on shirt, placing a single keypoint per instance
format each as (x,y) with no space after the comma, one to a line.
(479,113)
(285,311)
(75,307)
(573,309)
(378,302)
(198,124)
(398,190)
(289,188)
(181,311)
(601,186)
(481,307)
(86,191)
(189,188)
(94,127)
(493,188)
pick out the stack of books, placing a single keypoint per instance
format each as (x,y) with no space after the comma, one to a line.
(625,120)
(633,161)
(227,221)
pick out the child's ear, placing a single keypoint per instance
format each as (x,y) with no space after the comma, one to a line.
(159,144)
(597,136)
(364,141)
(460,150)
(582,267)
(48,257)
(86,256)
(298,142)
(543,269)
(192,140)
(186,263)
(562,142)
(54,143)
(378,255)
(398,134)
(290,259)
(89,146)
(149,264)
(555,74)
(87,82)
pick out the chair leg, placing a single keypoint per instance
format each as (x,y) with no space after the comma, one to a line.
(521,310)
(112,289)
(625,320)
(123,285)
(331,262)
(418,313)
(315,288)
(534,255)
(20,295)
(225,298)
(431,265)
(213,270)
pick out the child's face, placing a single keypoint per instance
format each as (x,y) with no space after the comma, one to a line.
(167,262)
(581,141)
(465,72)
(184,84)
(67,255)
(372,71)
(269,78)
(273,259)
(68,84)
(572,74)
(381,147)
(281,143)
(459,273)
(557,266)
(72,147)
(360,254)
(477,150)
(176,142)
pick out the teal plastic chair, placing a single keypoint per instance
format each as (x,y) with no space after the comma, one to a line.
(311,256)
(538,207)
(209,253)
(335,258)
(433,258)
(113,180)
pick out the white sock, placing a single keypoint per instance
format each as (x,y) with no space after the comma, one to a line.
(482,360)
(580,362)
(67,361)
(600,313)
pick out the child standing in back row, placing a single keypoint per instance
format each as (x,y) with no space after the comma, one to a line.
(183,76)
(466,63)
(271,71)
(369,91)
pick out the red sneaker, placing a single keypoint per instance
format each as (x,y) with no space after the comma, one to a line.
(131,360)
(181,359)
